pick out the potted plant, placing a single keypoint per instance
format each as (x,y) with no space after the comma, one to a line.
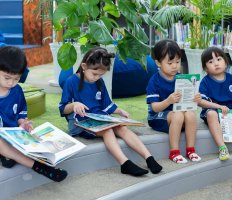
(202,16)
(96,22)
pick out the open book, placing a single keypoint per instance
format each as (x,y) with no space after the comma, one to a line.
(226,124)
(46,143)
(98,122)
(188,86)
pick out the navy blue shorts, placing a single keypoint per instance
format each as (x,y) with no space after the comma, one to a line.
(204,112)
(160,121)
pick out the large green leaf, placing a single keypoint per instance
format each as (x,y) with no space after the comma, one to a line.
(67,56)
(131,47)
(128,10)
(100,33)
(112,9)
(72,33)
(93,2)
(140,34)
(94,11)
(108,22)
(64,10)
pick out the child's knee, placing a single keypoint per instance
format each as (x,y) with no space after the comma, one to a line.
(212,115)
(120,128)
(177,117)
(190,115)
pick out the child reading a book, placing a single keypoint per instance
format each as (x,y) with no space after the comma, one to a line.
(216,92)
(160,100)
(13,112)
(85,91)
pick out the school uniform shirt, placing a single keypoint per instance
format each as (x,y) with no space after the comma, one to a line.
(12,107)
(217,91)
(158,89)
(98,101)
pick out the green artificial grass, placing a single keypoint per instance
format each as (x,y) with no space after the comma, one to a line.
(135,106)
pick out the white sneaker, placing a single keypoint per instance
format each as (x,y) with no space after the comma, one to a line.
(194,157)
(179,159)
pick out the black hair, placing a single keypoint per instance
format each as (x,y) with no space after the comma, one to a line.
(166,47)
(207,55)
(12,60)
(96,58)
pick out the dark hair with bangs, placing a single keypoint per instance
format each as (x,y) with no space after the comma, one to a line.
(96,58)
(12,60)
(166,47)
(207,55)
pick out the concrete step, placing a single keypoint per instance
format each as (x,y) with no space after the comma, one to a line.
(110,184)
(96,157)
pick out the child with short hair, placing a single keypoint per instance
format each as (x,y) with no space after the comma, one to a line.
(216,92)
(13,112)
(85,91)
(160,100)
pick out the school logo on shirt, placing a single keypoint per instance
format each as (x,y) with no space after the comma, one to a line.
(160,114)
(230,88)
(98,95)
(15,107)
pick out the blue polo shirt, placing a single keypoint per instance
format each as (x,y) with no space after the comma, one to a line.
(98,101)
(13,107)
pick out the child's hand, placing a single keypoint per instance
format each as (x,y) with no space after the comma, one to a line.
(79,108)
(123,113)
(26,124)
(197,98)
(224,109)
(174,97)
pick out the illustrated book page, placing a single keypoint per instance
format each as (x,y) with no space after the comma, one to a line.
(46,143)
(98,122)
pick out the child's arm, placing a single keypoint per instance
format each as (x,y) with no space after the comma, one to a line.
(121,112)
(76,107)
(25,124)
(172,98)
(207,104)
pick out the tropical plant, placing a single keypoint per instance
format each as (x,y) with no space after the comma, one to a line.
(202,16)
(95,22)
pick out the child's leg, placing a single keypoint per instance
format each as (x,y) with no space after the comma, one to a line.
(215,127)
(175,121)
(127,167)
(190,131)
(133,141)
(216,131)
(50,172)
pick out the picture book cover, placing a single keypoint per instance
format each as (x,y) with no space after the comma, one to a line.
(188,86)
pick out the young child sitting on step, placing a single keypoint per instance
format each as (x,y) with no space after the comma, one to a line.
(13,112)
(160,100)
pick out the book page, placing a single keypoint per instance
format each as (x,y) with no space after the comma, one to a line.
(109,118)
(226,125)
(46,143)
(96,125)
(60,144)
(188,86)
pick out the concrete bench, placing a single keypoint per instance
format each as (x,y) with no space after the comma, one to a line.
(95,157)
